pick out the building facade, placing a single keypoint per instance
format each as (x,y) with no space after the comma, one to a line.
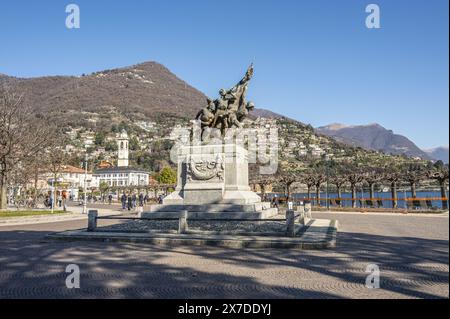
(122,175)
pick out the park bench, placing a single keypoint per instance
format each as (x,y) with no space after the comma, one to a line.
(333,202)
(369,203)
(416,204)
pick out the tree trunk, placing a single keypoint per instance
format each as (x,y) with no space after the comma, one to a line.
(394,194)
(288,192)
(318,195)
(3,191)
(36,179)
(353,187)
(339,195)
(443,195)
(309,192)
(413,190)
(371,193)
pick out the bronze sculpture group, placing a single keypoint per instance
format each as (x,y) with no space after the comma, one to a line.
(229,110)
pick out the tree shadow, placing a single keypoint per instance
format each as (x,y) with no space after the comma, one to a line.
(34,267)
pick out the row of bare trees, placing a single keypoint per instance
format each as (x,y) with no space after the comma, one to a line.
(353,175)
(27,142)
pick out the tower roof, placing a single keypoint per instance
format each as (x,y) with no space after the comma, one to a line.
(123,135)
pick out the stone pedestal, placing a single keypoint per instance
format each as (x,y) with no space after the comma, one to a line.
(214,179)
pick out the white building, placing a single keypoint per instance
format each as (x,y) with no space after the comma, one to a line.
(122,175)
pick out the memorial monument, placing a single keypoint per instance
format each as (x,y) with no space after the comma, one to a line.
(213,176)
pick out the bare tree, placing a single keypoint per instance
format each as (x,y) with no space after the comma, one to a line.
(319,179)
(440,173)
(414,174)
(354,178)
(286,177)
(393,176)
(372,175)
(309,181)
(22,135)
(339,181)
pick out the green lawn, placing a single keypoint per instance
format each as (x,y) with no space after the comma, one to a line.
(23,213)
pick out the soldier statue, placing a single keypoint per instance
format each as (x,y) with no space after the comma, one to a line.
(229,110)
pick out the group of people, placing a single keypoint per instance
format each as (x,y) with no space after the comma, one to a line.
(60,202)
(131,201)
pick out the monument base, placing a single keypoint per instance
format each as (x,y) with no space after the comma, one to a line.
(213,181)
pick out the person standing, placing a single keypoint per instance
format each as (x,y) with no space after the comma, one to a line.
(124,200)
(141,200)
(130,202)
(134,200)
(109,199)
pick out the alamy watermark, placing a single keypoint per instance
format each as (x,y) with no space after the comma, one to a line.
(73,279)
(373,19)
(261,144)
(373,279)
(73,19)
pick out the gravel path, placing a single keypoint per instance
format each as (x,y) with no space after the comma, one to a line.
(199,226)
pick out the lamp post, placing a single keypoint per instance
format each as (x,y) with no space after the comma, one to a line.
(53,194)
(327,161)
(84,184)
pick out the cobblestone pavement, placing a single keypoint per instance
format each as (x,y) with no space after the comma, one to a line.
(412,253)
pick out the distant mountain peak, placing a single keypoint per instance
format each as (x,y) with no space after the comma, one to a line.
(439,153)
(373,136)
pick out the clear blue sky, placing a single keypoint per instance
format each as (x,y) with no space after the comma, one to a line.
(315,61)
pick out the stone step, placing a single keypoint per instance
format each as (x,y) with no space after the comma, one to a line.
(212,208)
(267,213)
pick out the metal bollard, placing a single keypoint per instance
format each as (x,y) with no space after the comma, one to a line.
(308,210)
(92,220)
(301,211)
(290,223)
(182,223)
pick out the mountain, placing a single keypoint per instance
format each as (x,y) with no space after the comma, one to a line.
(149,92)
(373,137)
(438,153)
(146,91)
(149,102)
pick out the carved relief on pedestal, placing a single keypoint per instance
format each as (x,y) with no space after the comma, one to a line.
(201,169)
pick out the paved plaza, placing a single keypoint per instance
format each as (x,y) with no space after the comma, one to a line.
(412,253)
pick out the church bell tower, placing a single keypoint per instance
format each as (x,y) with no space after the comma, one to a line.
(122,143)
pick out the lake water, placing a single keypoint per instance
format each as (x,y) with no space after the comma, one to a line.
(401,195)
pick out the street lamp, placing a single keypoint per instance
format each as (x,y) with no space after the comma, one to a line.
(53,194)
(85,181)
(327,161)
